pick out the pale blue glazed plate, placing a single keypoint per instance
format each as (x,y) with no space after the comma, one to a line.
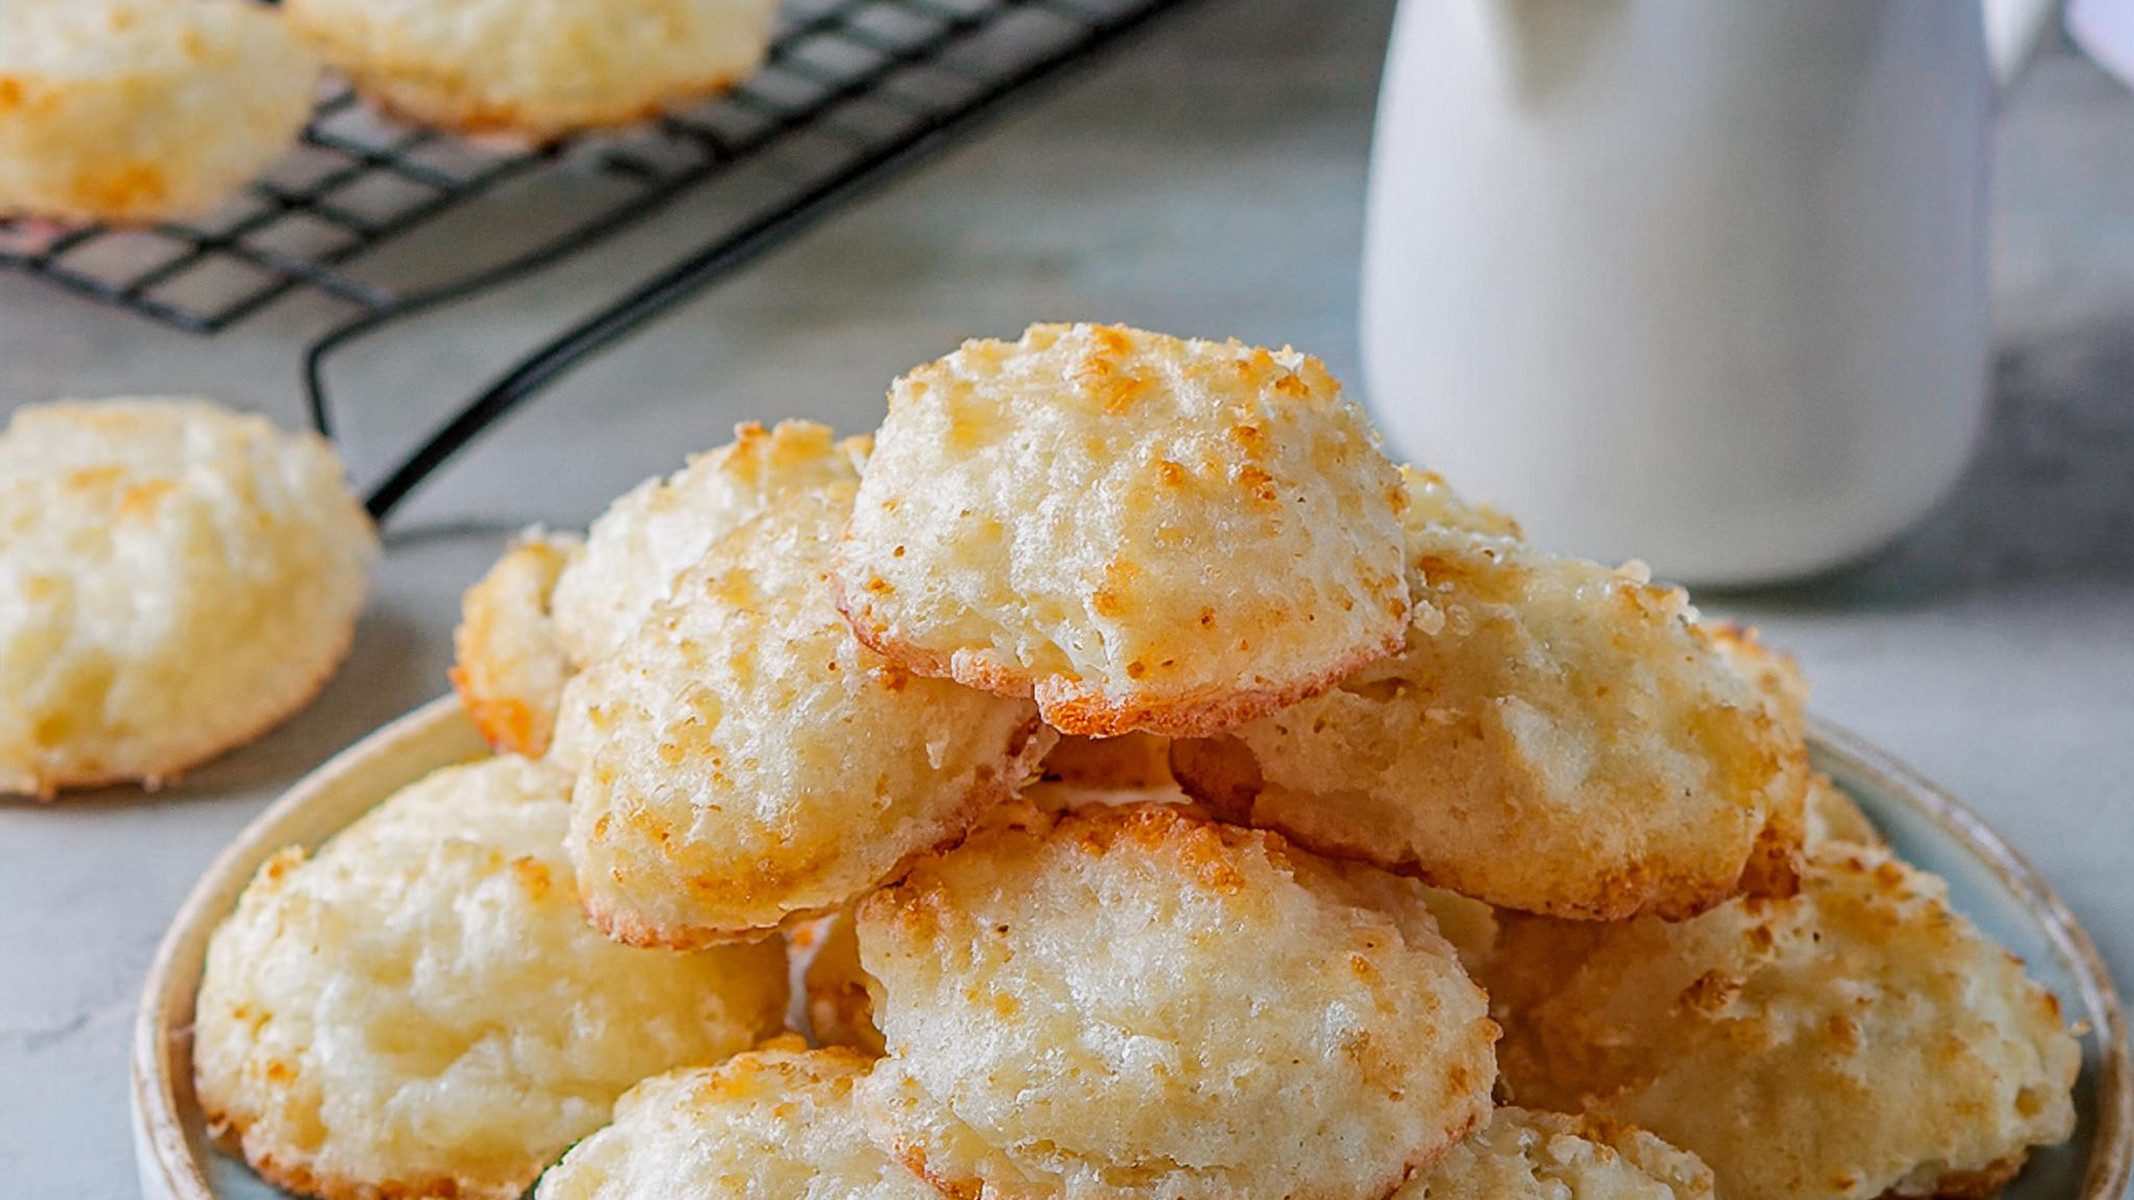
(1988,882)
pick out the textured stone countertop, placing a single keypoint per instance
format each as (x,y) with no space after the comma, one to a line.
(1208,181)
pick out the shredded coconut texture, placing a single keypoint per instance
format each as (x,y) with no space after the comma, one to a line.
(422,1010)
(1142,531)
(175,579)
(840,1001)
(1136,1002)
(143,110)
(537,68)
(555,603)
(774,1124)
(1555,736)
(510,667)
(743,762)
(1525,1155)
(1856,1039)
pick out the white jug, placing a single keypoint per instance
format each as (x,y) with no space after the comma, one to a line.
(1699,281)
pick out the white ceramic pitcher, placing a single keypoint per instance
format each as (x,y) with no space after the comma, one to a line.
(1701,281)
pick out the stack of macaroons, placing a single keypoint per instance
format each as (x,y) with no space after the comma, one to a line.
(1168,798)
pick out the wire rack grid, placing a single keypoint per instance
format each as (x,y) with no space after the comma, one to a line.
(850,91)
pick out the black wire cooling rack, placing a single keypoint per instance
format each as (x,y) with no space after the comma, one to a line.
(851,91)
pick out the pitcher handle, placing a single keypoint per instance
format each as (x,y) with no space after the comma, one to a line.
(2013,30)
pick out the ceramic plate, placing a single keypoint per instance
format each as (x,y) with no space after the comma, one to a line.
(1987,881)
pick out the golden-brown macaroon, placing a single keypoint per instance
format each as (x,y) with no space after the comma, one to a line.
(744,763)
(1143,532)
(1773,673)
(777,1123)
(1774,867)
(1855,1040)
(839,999)
(143,110)
(1470,925)
(1135,1002)
(662,526)
(539,69)
(1523,1155)
(1434,507)
(509,666)
(175,579)
(554,603)
(420,1009)
(1829,815)
(1556,736)
(840,1008)
(1826,812)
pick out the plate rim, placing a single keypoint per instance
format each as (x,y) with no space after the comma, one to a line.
(170,1169)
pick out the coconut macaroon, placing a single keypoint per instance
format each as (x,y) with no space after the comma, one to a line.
(1556,736)
(175,579)
(1134,1002)
(1143,532)
(773,1124)
(421,1010)
(556,603)
(509,666)
(1525,1155)
(1470,925)
(539,69)
(1857,1039)
(1830,815)
(1775,675)
(636,548)
(1434,508)
(744,763)
(840,1002)
(142,110)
